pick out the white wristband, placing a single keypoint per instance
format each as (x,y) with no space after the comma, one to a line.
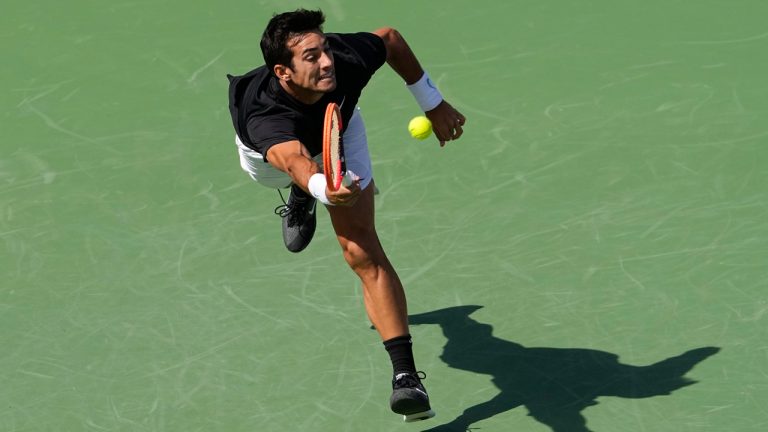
(426,94)
(316,186)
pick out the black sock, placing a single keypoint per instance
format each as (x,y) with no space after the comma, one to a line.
(401,353)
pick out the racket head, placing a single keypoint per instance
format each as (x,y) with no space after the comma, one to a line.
(334,167)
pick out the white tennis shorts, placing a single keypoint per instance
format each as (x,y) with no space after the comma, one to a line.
(355,153)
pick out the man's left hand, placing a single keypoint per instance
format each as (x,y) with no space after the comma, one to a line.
(446,121)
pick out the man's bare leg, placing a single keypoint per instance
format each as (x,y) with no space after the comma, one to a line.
(383,293)
(384,301)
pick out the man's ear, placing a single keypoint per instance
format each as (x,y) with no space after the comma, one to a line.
(282,72)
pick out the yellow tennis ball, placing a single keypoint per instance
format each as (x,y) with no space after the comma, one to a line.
(420,127)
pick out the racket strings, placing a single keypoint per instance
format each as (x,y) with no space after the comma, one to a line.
(335,148)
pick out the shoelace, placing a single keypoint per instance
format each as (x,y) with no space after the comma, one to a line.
(287,210)
(284,209)
(409,379)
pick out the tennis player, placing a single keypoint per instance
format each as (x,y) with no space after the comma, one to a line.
(278,111)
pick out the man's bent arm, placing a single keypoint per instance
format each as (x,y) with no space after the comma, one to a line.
(294,159)
(446,121)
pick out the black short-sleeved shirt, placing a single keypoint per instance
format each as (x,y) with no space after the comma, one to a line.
(264,114)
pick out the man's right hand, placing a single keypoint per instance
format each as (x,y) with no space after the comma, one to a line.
(346,195)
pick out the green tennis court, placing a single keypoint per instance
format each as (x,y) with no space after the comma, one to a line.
(590,256)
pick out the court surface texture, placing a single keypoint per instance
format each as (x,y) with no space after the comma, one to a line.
(590,256)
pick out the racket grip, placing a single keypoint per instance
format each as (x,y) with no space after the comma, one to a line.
(348,179)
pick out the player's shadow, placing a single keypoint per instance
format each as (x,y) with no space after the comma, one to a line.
(554,384)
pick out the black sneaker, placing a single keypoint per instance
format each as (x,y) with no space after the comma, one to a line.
(299,219)
(409,397)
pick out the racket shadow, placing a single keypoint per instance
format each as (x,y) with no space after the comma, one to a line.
(555,385)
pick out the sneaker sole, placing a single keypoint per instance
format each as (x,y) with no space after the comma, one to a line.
(424,415)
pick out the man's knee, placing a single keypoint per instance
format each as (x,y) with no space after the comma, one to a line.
(363,253)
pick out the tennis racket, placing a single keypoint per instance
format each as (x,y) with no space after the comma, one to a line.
(334,166)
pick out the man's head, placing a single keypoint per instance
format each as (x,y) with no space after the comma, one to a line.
(296,51)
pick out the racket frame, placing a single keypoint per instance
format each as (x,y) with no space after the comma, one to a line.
(334,172)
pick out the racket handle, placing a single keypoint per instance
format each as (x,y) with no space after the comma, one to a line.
(348,179)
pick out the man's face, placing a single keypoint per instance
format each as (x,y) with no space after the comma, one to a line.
(312,64)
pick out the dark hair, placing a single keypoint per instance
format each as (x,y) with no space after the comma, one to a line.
(281,28)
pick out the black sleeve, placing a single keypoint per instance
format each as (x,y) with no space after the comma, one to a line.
(368,47)
(360,54)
